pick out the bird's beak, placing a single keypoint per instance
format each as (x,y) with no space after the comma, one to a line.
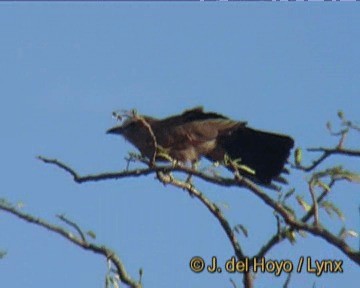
(115,130)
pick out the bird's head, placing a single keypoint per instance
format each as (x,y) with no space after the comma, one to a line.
(124,128)
(127,122)
(134,128)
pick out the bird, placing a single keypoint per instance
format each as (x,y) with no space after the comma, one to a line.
(195,134)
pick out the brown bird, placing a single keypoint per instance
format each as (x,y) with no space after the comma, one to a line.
(194,134)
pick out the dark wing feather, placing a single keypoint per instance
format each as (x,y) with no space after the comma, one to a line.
(264,152)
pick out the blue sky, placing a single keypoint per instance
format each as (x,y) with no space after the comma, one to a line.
(66,66)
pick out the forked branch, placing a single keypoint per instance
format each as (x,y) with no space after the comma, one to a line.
(78,241)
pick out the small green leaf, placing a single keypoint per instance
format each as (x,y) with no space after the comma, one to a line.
(216,164)
(91,234)
(330,209)
(329,126)
(291,236)
(340,114)
(289,193)
(323,185)
(298,156)
(345,233)
(246,169)
(352,233)
(303,203)
(342,233)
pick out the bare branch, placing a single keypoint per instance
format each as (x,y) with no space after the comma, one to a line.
(74,225)
(215,210)
(278,237)
(287,281)
(315,203)
(233,283)
(212,207)
(330,238)
(314,230)
(98,249)
(347,152)
(222,181)
(326,152)
(239,181)
(102,176)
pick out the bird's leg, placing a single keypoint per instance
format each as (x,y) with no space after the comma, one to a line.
(194,166)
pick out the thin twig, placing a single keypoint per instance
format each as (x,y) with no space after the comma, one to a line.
(74,225)
(239,181)
(342,151)
(326,152)
(212,207)
(153,137)
(315,203)
(287,281)
(98,249)
(277,238)
(233,283)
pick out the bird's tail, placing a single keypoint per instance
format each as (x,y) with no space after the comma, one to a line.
(265,153)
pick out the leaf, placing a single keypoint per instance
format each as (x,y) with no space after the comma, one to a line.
(91,234)
(345,233)
(291,236)
(289,193)
(339,173)
(352,233)
(328,126)
(342,233)
(241,228)
(246,169)
(340,114)
(330,209)
(216,164)
(323,185)
(298,156)
(303,204)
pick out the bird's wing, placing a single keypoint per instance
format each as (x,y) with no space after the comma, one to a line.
(192,132)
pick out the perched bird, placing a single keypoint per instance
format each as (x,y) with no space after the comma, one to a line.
(194,134)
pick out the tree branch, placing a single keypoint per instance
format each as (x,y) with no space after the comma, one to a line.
(74,225)
(98,249)
(222,181)
(315,203)
(212,207)
(239,181)
(215,210)
(281,235)
(326,152)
